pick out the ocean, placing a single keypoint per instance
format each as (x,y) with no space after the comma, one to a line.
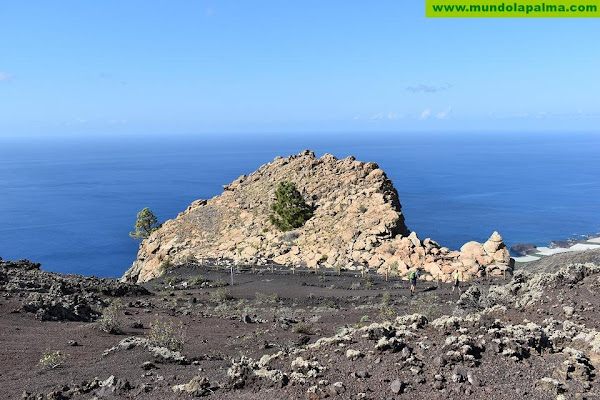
(70,203)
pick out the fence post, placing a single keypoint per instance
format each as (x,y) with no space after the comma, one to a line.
(293,270)
(387,273)
(362,272)
(272,268)
(339,270)
(504,274)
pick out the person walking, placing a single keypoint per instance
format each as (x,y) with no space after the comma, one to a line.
(413,276)
(456,281)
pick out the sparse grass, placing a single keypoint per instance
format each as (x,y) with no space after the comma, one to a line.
(110,322)
(322,278)
(166,334)
(219,283)
(303,328)
(386,309)
(386,298)
(196,280)
(355,286)
(370,283)
(221,295)
(267,298)
(365,319)
(52,359)
(427,305)
(171,281)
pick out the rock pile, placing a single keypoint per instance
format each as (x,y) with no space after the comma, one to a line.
(57,297)
(357,223)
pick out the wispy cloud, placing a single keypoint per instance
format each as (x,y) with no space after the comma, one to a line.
(425,115)
(391,115)
(445,114)
(79,121)
(4,76)
(424,88)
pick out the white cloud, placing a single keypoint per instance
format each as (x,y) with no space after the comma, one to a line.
(425,114)
(4,76)
(445,114)
(423,88)
(356,117)
(394,115)
(376,117)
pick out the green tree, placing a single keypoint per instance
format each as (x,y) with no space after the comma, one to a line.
(146,224)
(291,211)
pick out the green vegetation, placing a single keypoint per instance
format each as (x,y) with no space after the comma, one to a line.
(290,208)
(221,295)
(110,322)
(267,298)
(52,359)
(166,334)
(146,224)
(171,281)
(303,328)
(164,265)
(196,280)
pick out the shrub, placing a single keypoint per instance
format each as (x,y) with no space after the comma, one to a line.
(191,259)
(164,265)
(166,334)
(52,359)
(221,295)
(362,208)
(267,298)
(386,298)
(171,281)
(304,328)
(364,319)
(219,283)
(196,280)
(291,211)
(109,322)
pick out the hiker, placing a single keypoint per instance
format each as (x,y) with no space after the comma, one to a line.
(456,281)
(413,276)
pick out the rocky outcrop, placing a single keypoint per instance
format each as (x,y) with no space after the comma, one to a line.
(56,297)
(357,223)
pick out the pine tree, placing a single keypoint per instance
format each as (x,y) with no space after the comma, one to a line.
(290,208)
(146,224)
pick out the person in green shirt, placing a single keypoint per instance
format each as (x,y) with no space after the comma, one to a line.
(456,281)
(413,276)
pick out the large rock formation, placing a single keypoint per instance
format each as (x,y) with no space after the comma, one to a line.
(357,222)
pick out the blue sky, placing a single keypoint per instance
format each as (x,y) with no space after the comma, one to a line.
(152,67)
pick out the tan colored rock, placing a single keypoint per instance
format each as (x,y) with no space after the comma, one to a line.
(357,221)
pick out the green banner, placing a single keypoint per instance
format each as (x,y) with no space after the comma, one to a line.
(512,9)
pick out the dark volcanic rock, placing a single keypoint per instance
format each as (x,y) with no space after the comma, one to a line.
(57,297)
(523,249)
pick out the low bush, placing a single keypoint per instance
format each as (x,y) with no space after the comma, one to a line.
(110,322)
(52,359)
(166,334)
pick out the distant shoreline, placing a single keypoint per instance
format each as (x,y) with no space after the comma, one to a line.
(528,252)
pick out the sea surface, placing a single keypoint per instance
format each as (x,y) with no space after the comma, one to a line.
(70,203)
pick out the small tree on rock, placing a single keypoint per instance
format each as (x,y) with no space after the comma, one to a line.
(291,211)
(146,224)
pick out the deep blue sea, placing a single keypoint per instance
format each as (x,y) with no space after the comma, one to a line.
(70,203)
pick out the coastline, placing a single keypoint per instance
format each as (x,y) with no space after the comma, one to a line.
(525,252)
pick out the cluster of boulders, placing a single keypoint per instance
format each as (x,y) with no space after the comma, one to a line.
(57,297)
(357,224)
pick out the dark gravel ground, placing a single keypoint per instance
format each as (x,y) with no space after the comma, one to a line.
(267,313)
